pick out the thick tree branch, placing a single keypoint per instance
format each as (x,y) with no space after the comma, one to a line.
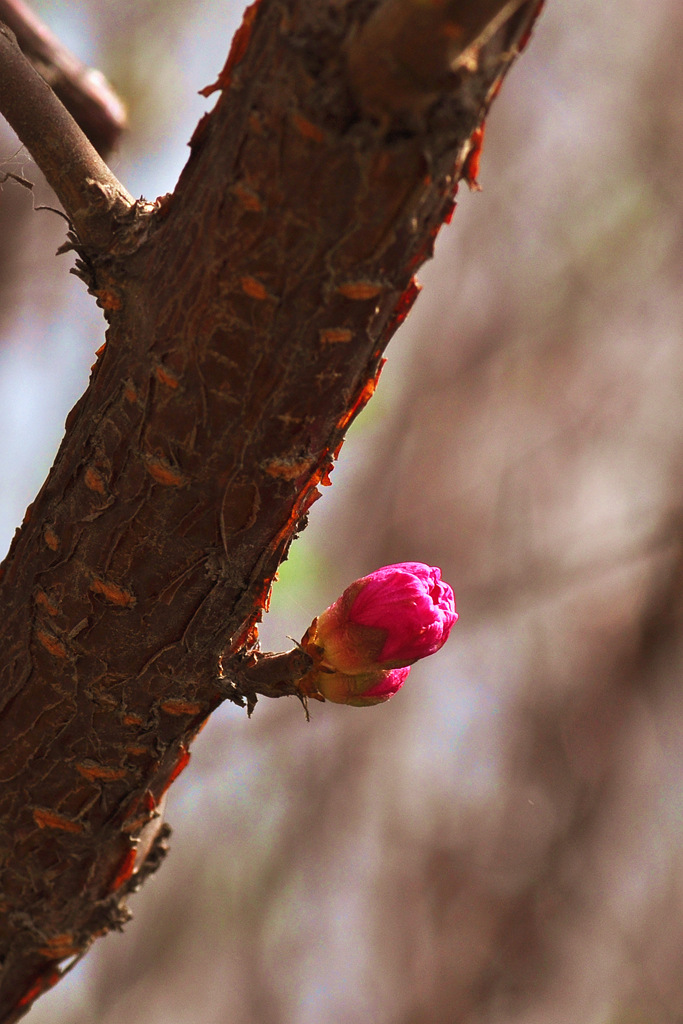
(85,92)
(246,330)
(409,51)
(91,195)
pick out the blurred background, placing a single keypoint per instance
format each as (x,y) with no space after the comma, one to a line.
(503,841)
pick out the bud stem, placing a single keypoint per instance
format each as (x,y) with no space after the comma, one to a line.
(269,674)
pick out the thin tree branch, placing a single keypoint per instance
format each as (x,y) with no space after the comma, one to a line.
(91,195)
(243,677)
(84,91)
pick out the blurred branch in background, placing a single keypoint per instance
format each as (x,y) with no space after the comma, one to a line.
(99,112)
(84,91)
(85,186)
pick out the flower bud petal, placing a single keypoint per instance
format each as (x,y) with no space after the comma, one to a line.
(389,619)
(361,690)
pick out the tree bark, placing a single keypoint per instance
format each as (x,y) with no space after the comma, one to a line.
(247,315)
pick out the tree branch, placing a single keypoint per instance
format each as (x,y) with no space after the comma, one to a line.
(85,92)
(270,675)
(246,331)
(91,195)
(409,51)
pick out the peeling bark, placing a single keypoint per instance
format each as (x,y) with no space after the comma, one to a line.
(248,313)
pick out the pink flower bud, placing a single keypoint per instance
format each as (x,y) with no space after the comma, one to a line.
(382,622)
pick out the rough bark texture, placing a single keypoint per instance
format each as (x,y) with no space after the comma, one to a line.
(247,316)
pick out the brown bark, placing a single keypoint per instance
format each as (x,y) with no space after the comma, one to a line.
(410,51)
(248,313)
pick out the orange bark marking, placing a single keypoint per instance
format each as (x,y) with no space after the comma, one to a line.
(107,298)
(165,377)
(362,400)
(247,197)
(49,819)
(100,350)
(51,643)
(133,749)
(93,481)
(527,35)
(90,770)
(58,947)
(249,633)
(253,288)
(132,719)
(111,592)
(181,707)
(163,474)
(129,393)
(34,991)
(125,870)
(51,538)
(181,764)
(287,469)
(45,982)
(471,168)
(360,289)
(43,601)
(139,811)
(308,129)
(335,335)
(403,306)
(148,801)
(495,89)
(240,41)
